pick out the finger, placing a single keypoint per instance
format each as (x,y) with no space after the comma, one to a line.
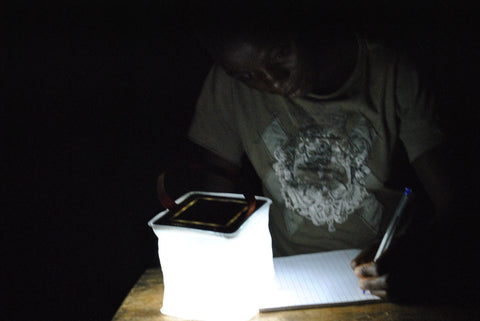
(380,293)
(365,256)
(374,284)
(367,270)
(387,261)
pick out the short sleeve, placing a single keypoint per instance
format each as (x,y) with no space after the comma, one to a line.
(214,123)
(419,125)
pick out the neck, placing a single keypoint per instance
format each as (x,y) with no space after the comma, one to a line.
(336,65)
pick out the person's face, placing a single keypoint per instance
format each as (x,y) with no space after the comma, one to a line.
(277,68)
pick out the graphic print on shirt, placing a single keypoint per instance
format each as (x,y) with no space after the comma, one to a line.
(322,167)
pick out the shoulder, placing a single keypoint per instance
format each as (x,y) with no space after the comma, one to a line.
(380,54)
(220,83)
(392,63)
(397,54)
(218,76)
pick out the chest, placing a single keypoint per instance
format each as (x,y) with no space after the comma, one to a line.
(303,133)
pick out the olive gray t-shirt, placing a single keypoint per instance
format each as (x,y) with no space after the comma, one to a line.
(323,160)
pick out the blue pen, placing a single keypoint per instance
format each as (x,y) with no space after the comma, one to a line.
(392,227)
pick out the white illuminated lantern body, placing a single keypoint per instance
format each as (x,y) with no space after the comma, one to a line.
(211,275)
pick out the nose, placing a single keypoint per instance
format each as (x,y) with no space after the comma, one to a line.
(276,84)
(270,78)
(275,79)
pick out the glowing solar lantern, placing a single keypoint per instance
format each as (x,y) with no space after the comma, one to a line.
(216,256)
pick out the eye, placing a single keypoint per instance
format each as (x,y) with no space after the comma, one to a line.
(281,52)
(246,76)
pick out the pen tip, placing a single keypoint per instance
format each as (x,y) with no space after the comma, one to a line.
(407,191)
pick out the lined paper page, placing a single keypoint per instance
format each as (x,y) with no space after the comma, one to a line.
(315,279)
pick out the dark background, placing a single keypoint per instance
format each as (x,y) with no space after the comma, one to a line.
(96,98)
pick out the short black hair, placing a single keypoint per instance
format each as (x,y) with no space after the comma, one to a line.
(219,23)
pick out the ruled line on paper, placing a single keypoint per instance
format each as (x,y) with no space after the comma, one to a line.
(317,279)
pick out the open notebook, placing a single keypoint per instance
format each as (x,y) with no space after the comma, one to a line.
(310,280)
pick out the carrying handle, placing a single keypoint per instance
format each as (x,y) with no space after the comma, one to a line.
(170,204)
(166,201)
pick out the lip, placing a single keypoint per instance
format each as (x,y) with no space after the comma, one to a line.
(295,88)
(295,93)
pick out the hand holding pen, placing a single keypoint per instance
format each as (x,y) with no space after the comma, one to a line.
(371,277)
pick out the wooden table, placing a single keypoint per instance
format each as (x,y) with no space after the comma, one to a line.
(145,299)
